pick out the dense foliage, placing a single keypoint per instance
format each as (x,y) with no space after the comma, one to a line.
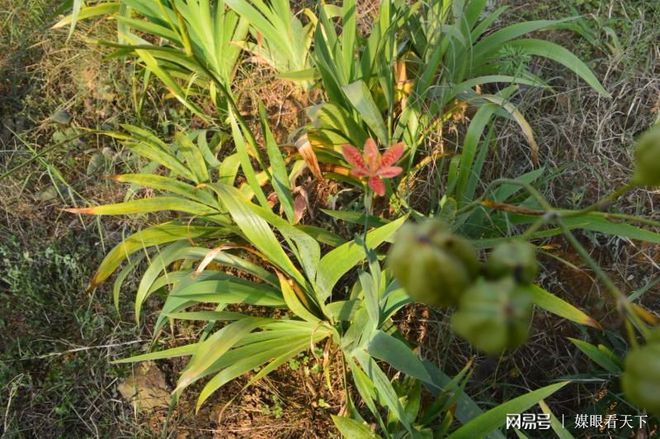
(234,239)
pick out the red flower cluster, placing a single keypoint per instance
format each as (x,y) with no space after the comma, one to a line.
(372,165)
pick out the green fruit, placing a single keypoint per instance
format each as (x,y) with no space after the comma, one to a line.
(647,158)
(641,378)
(514,258)
(432,264)
(494,315)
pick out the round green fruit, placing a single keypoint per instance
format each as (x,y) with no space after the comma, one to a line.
(494,315)
(641,378)
(432,264)
(647,158)
(514,258)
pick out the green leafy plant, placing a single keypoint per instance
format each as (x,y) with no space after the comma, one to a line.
(190,45)
(236,240)
(280,38)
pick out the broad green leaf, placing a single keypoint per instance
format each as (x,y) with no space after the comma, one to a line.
(246,359)
(304,246)
(360,97)
(352,429)
(123,275)
(355,217)
(364,386)
(229,290)
(157,264)
(398,355)
(520,120)
(370,299)
(148,27)
(322,235)
(339,261)
(596,222)
(280,345)
(168,80)
(162,157)
(343,310)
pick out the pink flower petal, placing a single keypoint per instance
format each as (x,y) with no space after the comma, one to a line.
(360,172)
(377,185)
(352,156)
(371,156)
(392,155)
(389,172)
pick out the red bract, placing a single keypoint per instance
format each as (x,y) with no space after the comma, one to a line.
(372,165)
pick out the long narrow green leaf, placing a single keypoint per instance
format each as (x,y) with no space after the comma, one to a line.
(557,427)
(280,177)
(155,235)
(359,95)
(168,184)
(181,351)
(496,417)
(213,348)
(87,12)
(604,359)
(248,358)
(555,305)
(229,291)
(148,205)
(339,261)
(470,148)
(563,56)
(246,164)
(294,303)
(256,229)
(490,45)
(352,429)
(398,355)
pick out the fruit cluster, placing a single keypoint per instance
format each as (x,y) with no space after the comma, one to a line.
(641,378)
(494,305)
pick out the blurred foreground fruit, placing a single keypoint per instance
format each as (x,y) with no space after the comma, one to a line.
(514,258)
(641,378)
(647,158)
(494,315)
(432,264)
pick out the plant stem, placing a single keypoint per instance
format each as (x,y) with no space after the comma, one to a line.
(623,303)
(605,201)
